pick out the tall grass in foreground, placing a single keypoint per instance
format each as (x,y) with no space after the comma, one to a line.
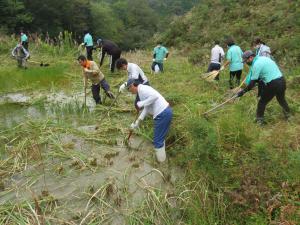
(236,172)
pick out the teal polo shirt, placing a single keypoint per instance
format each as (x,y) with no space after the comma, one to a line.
(234,55)
(24,38)
(88,40)
(265,69)
(160,53)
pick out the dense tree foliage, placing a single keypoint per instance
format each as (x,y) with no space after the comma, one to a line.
(130,23)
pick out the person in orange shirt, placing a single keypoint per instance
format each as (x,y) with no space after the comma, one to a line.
(90,71)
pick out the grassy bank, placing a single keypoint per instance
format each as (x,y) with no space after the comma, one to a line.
(232,171)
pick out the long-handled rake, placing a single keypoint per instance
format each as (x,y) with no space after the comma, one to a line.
(220,105)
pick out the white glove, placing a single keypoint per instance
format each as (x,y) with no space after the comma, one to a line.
(140,104)
(123,87)
(135,125)
(82,44)
(153,60)
(165,59)
(222,68)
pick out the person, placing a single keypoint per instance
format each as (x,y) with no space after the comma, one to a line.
(160,53)
(111,49)
(135,73)
(88,43)
(92,72)
(153,103)
(24,40)
(217,55)
(261,48)
(234,58)
(21,55)
(265,69)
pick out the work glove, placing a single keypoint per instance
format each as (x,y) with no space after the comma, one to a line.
(135,124)
(222,68)
(140,104)
(82,44)
(240,93)
(153,60)
(165,59)
(123,87)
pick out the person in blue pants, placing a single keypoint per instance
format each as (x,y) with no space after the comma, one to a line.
(155,104)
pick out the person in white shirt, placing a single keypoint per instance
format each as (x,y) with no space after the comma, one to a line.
(134,72)
(261,48)
(21,55)
(217,55)
(155,104)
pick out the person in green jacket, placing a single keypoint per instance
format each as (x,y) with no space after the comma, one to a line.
(160,53)
(24,40)
(89,45)
(264,69)
(234,59)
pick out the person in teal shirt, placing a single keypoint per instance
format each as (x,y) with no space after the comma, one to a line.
(266,70)
(24,40)
(234,59)
(160,53)
(89,45)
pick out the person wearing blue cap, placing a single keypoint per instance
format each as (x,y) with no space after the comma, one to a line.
(155,104)
(110,48)
(265,69)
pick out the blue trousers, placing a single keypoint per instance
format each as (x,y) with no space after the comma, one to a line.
(162,124)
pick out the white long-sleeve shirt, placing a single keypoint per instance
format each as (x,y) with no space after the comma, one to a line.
(216,52)
(264,50)
(136,73)
(20,52)
(152,101)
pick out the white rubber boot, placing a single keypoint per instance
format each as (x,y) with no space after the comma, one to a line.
(160,154)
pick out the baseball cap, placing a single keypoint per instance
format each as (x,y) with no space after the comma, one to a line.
(130,82)
(247,54)
(99,41)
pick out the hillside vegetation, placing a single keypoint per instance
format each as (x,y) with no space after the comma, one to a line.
(276,22)
(231,171)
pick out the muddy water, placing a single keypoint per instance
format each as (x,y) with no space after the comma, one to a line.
(121,177)
(16,108)
(77,168)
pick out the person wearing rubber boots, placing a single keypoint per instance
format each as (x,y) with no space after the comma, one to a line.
(155,104)
(91,71)
(160,54)
(264,69)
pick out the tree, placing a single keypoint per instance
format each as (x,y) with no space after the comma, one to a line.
(13,15)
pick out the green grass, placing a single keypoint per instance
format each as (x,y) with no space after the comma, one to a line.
(234,170)
(34,78)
